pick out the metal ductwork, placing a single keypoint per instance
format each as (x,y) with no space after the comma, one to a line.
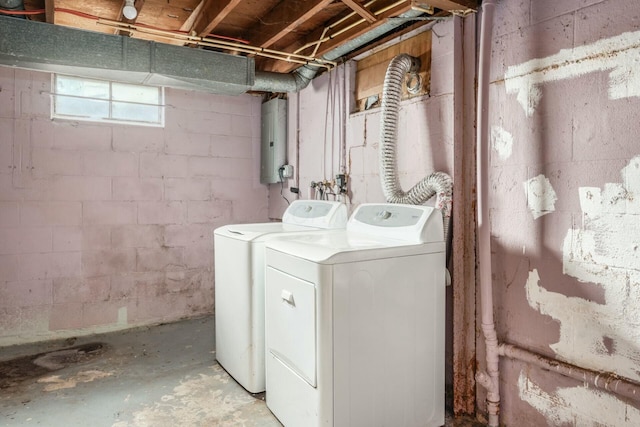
(12,4)
(53,48)
(57,49)
(300,78)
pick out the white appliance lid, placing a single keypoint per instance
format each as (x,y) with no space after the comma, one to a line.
(249,232)
(374,230)
(316,213)
(409,223)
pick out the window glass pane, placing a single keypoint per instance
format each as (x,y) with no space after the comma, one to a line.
(82,87)
(135,93)
(135,112)
(97,100)
(81,107)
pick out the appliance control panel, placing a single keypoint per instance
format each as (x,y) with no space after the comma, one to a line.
(397,221)
(316,213)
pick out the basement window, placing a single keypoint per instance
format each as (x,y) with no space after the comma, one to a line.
(77,98)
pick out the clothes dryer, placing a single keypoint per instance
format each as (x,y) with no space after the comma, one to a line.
(239,285)
(355,321)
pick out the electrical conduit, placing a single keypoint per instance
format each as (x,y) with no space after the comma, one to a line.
(437,183)
(490,378)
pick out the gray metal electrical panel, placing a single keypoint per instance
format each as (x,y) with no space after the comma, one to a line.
(273,147)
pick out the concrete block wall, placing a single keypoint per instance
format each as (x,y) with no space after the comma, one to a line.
(565,95)
(106,226)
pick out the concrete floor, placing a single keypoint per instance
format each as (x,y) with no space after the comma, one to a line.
(159,376)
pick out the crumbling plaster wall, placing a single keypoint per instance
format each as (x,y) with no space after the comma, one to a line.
(565,203)
(106,226)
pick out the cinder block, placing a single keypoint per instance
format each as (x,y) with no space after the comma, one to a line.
(67,239)
(239,147)
(198,256)
(250,210)
(95,238)
(47,162)
(187,189)
(137,236)
(186,281)
(26,293)
(137,189)
(208,212)
(42,133)
(110,164)
(7,95)
(9,214)
(66,316)
(25,240)
(163,165)
(187,235)
(106,262)
(66,188)
(240,127)
(109,212)
(163,308)
(234,189)
(81,289)
(159,259)
(192,144)
(137,139)
(6,145)
(604,19)
(139,285)
(222,167)
(161,212)
(81,136)
(104,313)
(9,268)
(49,265)
(36,102)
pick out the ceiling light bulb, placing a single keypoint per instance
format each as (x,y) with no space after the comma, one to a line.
(129,11)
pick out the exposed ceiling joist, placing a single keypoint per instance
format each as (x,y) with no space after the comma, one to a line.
(451,5)
(290,16)
(213,13)
(49,8)
(357,8)
(340,34)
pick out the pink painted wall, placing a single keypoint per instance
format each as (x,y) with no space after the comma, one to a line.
(565,176)
(107,226)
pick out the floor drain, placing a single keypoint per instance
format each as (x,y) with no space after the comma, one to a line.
(15,371)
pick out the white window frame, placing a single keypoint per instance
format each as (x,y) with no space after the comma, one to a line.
(110,119)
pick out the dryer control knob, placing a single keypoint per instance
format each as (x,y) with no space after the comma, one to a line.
(384,214)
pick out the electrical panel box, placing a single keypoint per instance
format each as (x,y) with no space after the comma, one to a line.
(273,146)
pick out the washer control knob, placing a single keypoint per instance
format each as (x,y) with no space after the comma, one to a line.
(384,214)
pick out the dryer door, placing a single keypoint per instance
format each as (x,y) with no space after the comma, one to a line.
(291,322)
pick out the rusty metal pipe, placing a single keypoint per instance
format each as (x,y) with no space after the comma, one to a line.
(489,378)
(602,380)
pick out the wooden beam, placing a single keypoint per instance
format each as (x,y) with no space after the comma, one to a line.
(213,13)
(291,15)
(453,4)
(357,8)
(49,8)
(347,30)
(191,20)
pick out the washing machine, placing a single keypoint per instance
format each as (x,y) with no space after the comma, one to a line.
(355,321)
(239,285)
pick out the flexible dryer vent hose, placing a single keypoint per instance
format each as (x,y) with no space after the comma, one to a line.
(437,183)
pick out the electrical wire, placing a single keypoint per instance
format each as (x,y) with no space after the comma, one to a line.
(280,174)
(23,12)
